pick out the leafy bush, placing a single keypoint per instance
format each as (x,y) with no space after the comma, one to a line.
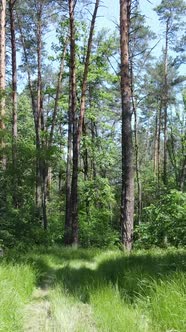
(164,222)
(96,214)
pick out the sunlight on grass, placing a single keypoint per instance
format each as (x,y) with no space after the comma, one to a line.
(97,291)
(168,304)
(68,314)
(130,293)
(16,286)
(113,314)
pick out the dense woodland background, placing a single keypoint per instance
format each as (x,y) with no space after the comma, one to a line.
(60,106)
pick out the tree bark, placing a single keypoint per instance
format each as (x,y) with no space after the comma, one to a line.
(58,91)
(138,180)
(40,199)
(85,153)
(183,165)
(2,73)
(14,98)
(156,145)
(68,235)
(165,98)
(159,143)
(93,137)
(73,196)
(127,192)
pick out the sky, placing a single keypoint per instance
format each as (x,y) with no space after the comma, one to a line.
(108,17)
(109,13)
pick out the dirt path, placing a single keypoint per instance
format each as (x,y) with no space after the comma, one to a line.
(40,315)
(37,314)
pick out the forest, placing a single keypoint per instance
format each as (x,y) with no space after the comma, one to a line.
(92,166)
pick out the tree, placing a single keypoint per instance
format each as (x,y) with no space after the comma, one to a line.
(33,54)
(170,12)
(14,95)
(2,72)
(127,192)
(140,57)
(78,123)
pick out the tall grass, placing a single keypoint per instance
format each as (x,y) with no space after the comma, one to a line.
(142,292)
(70,315)
(167,307)
(112,313)
(16,286)
(103,291)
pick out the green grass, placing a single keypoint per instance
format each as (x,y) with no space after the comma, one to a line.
(104,291)
(168,304)
(112,313)
(69,314)
(16,286)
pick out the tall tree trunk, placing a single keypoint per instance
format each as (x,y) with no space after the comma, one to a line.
(127,193)
(93,136)
(137,164)
(156,145)
(38,121)
(85,158)
(2,73)
(14,98)
(172,156)
(138,178)
(159,143)
(73,103)
(47,171)
(77,128)
(183,165)
(165,98)
(41,168)
(85,153)
(58,92)
(37,108)
(68,224)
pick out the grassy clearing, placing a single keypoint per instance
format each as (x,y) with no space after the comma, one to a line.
(141,292)
(107,291)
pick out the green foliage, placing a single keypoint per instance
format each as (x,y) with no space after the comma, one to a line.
(96,214)
(164,221)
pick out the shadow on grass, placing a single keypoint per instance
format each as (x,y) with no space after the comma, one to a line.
(132,275)
(60,255)
(40,259)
